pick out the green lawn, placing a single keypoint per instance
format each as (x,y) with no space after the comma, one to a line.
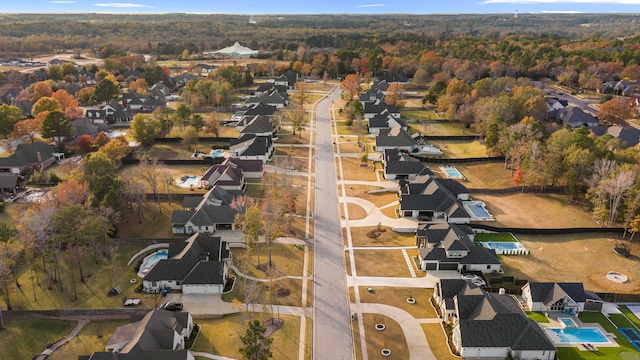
(494,237)
(458,149)
(93,337)
(631,316)
(537,316)
(621,321)
(23,338)
(419,114)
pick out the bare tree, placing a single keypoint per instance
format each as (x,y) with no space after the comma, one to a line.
(152,172)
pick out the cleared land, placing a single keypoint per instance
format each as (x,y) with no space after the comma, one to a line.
(490,175)
(581,258)
(526,210)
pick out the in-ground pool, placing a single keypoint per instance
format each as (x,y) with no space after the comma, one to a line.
(452,172)
(631,335)
(188,181)
(478,211)
(150,260)
(567,322)
(217,153)
(577,335)
(505,247)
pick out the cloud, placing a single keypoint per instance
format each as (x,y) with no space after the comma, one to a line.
(62,2)
(371,5)
(603,2)
(123,5)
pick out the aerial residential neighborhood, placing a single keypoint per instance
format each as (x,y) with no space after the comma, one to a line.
(360,186)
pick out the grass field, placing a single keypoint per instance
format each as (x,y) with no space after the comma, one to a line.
(437,129)
(23,338)
(93,337)
(351,170)
(582,258)
(489,175)
(438,342)
(419,114)
(630,315)
(287,260)
(460,149)
(262,291)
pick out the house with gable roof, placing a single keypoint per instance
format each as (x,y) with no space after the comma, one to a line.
(445,246)
(267,87)
(136,103)
(398,165)
(224,175)
(259,109)
(573,117)
(568,297)
(37,155)
(272,98)
(488,325)
(385,121)
(395,138)
(111,113)
(629,134)
(258,125)
(371,96)
(198,265)
(252,147)
(392,77)
(207,213)
(433,200)
(160,334)
(372,109)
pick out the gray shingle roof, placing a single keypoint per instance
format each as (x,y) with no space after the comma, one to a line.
(206,272)
(549,292)
(395,137)
(398,163)
(26,154)
(259,124)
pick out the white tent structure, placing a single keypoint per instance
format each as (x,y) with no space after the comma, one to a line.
(236,50)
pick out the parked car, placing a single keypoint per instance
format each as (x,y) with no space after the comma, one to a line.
(171,306)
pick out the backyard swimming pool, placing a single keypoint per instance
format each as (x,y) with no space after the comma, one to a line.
(217,153)
(150,260)
(505,248)
(577,336)
(452,172)
(188,181)
(478,211)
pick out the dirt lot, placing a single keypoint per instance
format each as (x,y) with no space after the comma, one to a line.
(526,210)
(490,175)
(582,258)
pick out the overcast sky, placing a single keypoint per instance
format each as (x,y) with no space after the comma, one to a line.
(321,7)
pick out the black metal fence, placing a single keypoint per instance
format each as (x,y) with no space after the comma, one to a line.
(439,160)
(559,231)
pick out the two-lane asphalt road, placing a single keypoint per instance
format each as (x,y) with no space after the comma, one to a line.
(332,339)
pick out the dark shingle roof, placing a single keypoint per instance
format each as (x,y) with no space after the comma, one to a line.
(259,124)
(397,137)
(549,292)
(399,163)
(206,272)
(26,154)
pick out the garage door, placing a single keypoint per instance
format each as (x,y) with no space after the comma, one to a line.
(448,266)
(431,266)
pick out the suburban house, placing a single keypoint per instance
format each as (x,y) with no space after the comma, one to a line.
(398,165)
(259,109)
(207,213)
(27,156)
(628,134)
(394,77)
(198,265)
(555,104)
(433,200)
(267,87)
(372,109)
(395,138)
(567,297)
(159,90)
(252,147)
(111,113)
(84,126)
(573,117)
(371,96)
(381,86)
(620,88)
(288,79)
(204,68)
(384,121)
(258,125)
(272,98)
(225,176)
(489,325)
(136,103)
(445,246)
(160,334)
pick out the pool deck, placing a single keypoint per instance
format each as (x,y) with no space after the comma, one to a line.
(555,323)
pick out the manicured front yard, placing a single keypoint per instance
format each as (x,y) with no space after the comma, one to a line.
(352,171)
(388,238)
(397,296)
(391,337)
(222,336)
(23,338)
(389,263)
(438,342)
